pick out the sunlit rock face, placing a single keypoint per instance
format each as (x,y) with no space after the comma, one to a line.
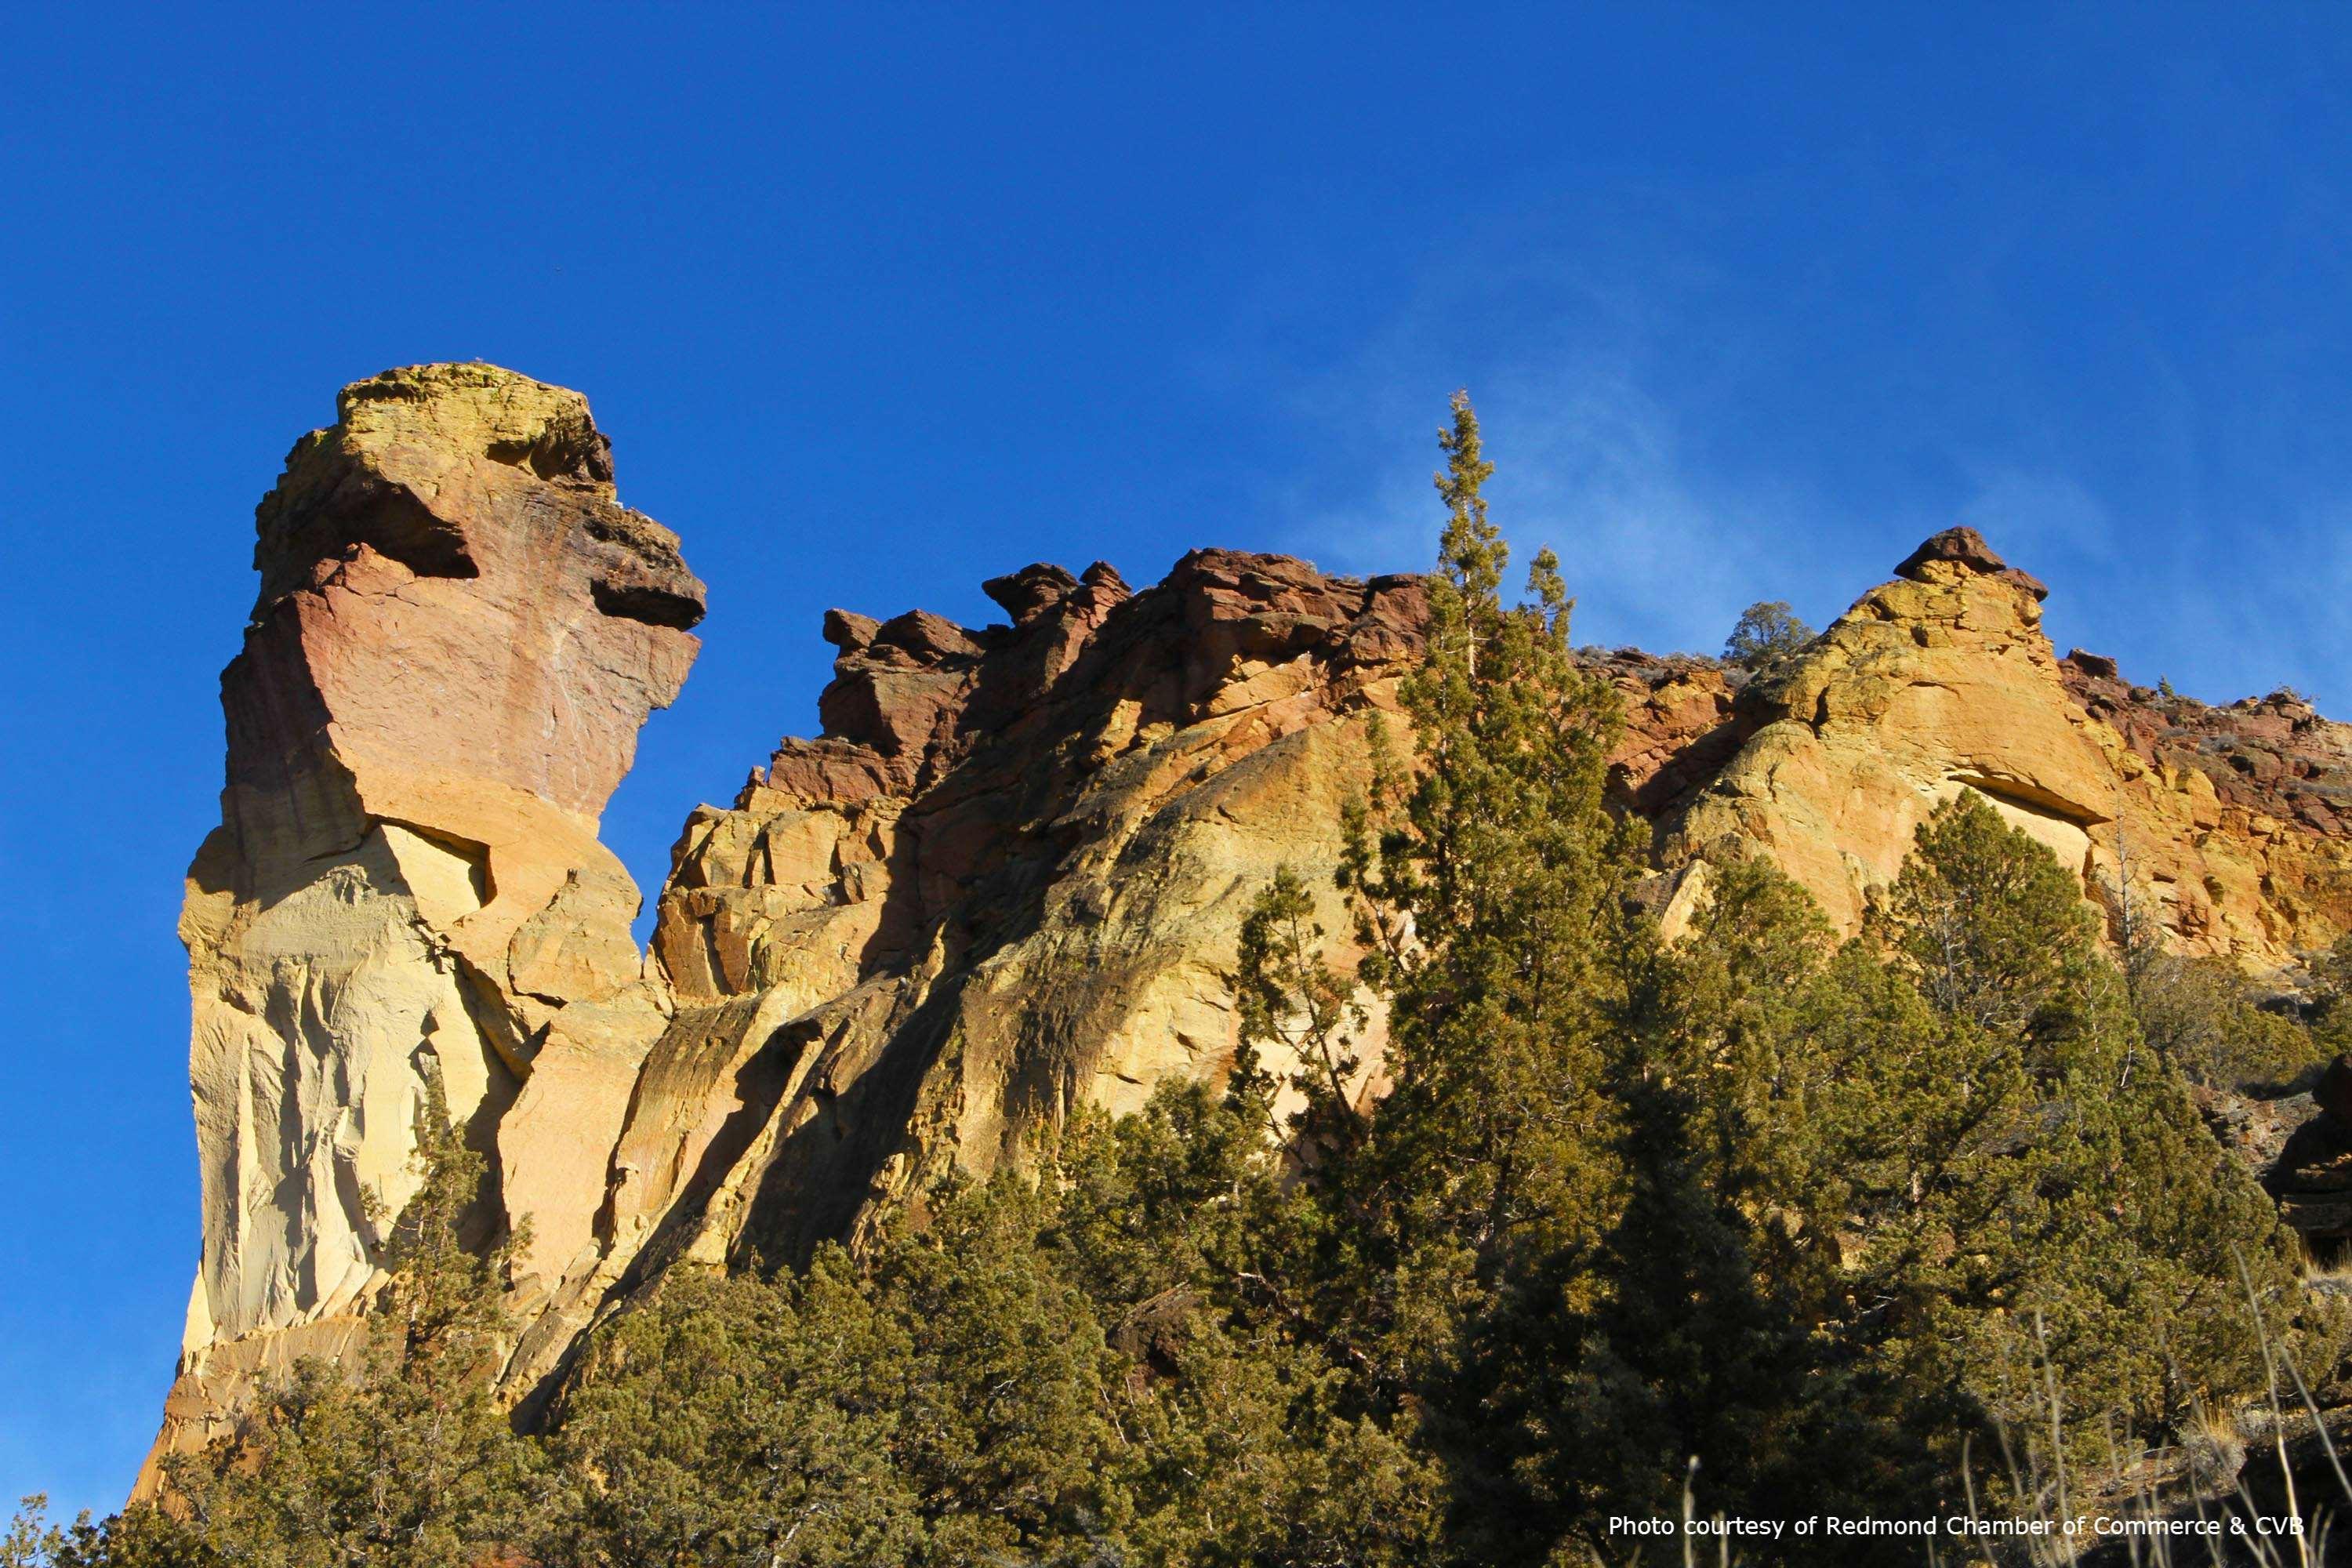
(1010,879)
(2217,820)
(1007,878)
(459,632)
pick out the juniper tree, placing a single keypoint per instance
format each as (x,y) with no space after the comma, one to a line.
(1252,1442)
(2057,1172)
(1495,905)
(737,1420)
(1077,1368)
(1767,632)
(1488,1249)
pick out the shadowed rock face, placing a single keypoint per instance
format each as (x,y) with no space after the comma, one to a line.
(1007,878)
(1009,881)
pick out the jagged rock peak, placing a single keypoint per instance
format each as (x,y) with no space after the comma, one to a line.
(417,456)
(913,695)
(849,631)
(1964,545)
(1030,592)
(1965,548)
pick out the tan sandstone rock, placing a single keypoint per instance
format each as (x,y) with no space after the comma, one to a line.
(459,632)
(1943,680)
(1937,681)
(1008,881)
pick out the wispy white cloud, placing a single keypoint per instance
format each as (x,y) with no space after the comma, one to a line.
(1655,428)
(1594,459)
(2041,518)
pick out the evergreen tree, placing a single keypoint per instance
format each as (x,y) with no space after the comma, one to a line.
(1252,1445)
(1526,1245)
(1084,1368)
(950,1405)
(739,1420)
(2201,1015)
(1494,908)
(1767,632)
(2060,1199)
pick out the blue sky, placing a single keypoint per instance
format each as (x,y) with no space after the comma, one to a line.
(876,302)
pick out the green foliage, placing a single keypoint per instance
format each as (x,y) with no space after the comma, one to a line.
(2329,1013)
(2059,1176)
(1495,910)
(141,1538)
(1767,632)
(1251,1445)
(1815,1215)
(2201,1014)
(733,1420)
(1080,1369)
(1530,1248)
(31,1539)
(952,1405)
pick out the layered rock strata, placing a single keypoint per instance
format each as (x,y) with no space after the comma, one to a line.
(1006,879)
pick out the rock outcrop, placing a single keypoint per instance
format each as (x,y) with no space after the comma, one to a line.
(1942,680)
(1007,878)
(459,632)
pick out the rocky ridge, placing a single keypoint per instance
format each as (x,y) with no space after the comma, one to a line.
(1943,680)
(1007,878)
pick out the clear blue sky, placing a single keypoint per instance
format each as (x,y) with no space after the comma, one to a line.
(876,302)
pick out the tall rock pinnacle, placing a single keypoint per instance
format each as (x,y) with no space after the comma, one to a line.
(460,630)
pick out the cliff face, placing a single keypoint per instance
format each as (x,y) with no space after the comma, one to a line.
(459,634)
(1007,879)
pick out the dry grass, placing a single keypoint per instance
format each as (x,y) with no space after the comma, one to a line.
(2208,1476)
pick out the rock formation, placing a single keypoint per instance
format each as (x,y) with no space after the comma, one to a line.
(2215,821)
(1007,879)
(459,631)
